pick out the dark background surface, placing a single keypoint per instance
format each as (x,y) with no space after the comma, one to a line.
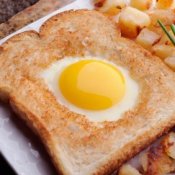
(8,8)
(5,169)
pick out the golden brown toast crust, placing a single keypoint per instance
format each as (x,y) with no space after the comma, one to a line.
(76,145)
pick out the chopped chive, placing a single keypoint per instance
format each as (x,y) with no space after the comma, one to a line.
(173,28)
(172,39)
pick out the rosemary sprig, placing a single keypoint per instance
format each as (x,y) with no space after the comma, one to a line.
(172,38)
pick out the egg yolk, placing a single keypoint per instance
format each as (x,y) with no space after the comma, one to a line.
(92,84)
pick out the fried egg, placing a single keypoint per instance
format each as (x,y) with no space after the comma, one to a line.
(94,87)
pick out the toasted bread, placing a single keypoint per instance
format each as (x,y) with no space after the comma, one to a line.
(75,144)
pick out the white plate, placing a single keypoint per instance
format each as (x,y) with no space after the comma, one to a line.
(18,145)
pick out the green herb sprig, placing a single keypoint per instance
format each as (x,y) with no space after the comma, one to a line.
(170,36)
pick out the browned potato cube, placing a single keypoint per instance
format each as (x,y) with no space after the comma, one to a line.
(155,161)
(132,21)
(165,4)
(170,140)
(163,51)
(170,61)
(144,161)
(98,3)
(165,40)
(147,38)
(127,169)
(141,4)
(166,16)
(112,11)
(111,7)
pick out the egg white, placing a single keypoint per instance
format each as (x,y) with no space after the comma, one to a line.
(51,77)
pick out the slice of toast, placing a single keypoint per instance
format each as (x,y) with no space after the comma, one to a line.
(75,144)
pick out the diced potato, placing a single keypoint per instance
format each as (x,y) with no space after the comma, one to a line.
(115,3)
(163,51)
(170,140)
(147,38)
(99,3)
(144,161)
(113,11)
(165,4)
(156,162)
(132,21)
(156,29)
(165,40)
(141,4)
(170,61)
(166,16)
(111,7)
(128,170)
